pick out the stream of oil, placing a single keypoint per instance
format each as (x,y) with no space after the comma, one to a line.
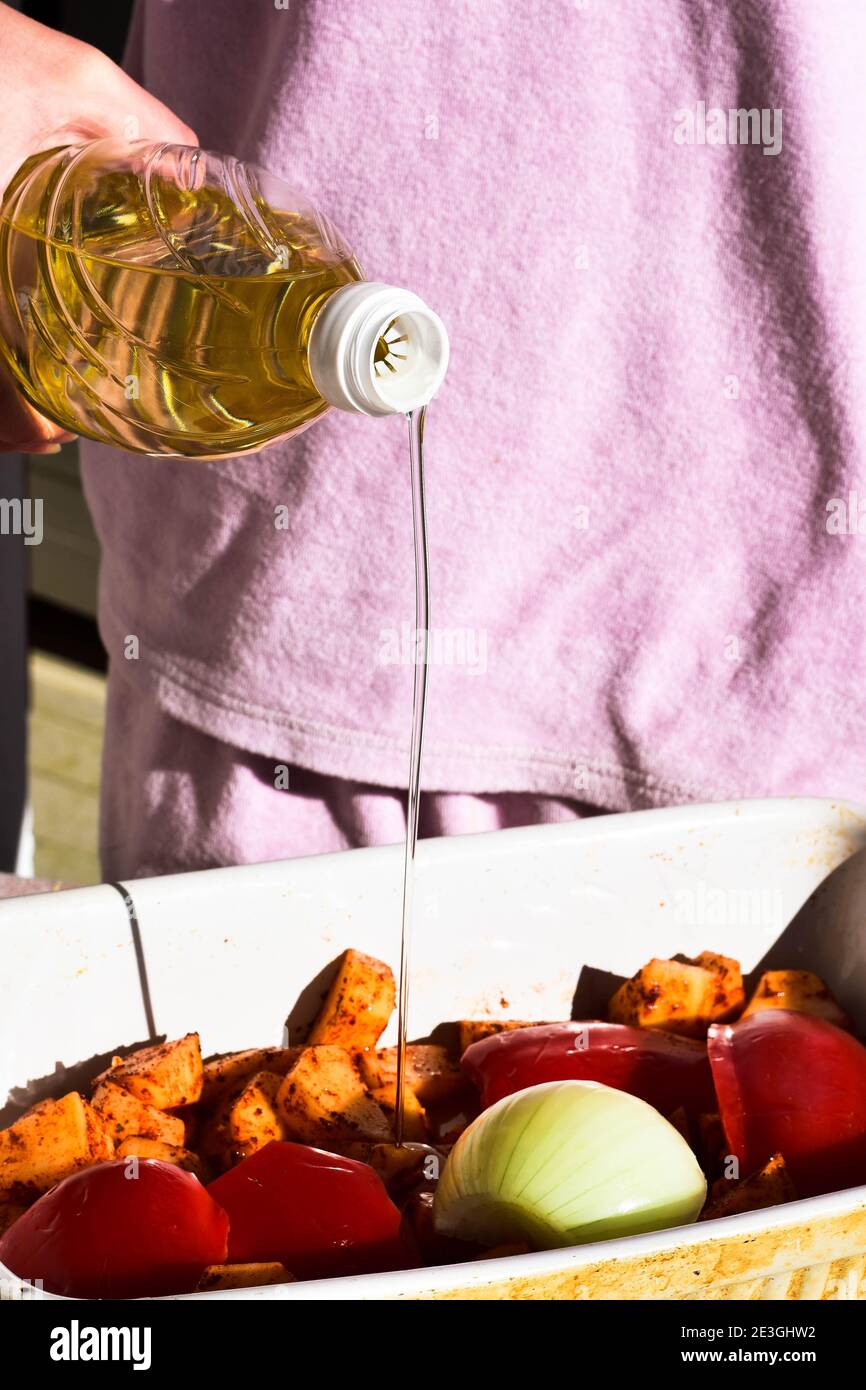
(419,701)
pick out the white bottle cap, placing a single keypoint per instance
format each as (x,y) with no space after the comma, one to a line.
(377,350)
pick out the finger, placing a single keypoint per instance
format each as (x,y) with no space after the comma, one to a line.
(151,119)
(48,446)
(22,428)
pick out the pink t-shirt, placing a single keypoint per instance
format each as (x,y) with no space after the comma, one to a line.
(645,468)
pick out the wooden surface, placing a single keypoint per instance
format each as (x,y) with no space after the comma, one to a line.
(67,705)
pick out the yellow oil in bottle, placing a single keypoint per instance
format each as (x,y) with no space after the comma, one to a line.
(155,317)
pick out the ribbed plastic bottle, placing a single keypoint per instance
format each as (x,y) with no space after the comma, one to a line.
(172,301)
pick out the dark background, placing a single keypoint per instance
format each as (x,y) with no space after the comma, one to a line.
(102,25)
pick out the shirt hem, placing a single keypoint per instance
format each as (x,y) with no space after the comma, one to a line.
(360,755)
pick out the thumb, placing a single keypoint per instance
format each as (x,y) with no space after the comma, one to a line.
(113,104)
(137,115)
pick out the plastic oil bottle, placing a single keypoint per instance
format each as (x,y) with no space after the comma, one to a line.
(172,301)
(175,302)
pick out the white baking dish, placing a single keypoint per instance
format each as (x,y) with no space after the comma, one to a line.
(506,924)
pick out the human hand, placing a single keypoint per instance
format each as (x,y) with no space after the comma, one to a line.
(58,91)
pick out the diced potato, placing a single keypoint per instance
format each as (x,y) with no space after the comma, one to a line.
(769,1187)
(430,1073)
(253,1118)
(166,1076)
(674,995)
(407,1168)
(397,1161)
(54,1139)
(414,1120)
(730,995)
(798,990)
(137,1147)
(358,1004)
(248,1276)
(322,1100)
(123,1115)
(472,1030)
(223,1074)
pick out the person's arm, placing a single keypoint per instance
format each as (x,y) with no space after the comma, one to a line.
(57,91)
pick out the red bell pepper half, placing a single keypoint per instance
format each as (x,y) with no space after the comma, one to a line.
(317,1213)
(665,1070)
(119,1230)
(793,1084)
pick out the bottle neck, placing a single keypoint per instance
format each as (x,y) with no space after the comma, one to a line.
(377,350)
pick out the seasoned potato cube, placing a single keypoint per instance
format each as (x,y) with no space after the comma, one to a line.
(165,1076)
(253,1118)
(798,990)
(406,1168)
(674,995)
(322,1100)
(769,1187)
(414,1119)
(358,1004)
(730,995)
(54,1139)
(123,1115)
(397,1161)
(136,1147)
(248,1276)
(430,1073)
(223,1074)
(472,1030)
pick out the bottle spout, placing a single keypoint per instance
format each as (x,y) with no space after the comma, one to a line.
(377,350)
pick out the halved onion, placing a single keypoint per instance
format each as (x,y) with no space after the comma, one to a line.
(564,1163)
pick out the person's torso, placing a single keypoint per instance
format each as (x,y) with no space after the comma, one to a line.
(656,386)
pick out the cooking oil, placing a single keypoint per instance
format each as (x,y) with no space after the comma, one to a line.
(416,744)
(158,318)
